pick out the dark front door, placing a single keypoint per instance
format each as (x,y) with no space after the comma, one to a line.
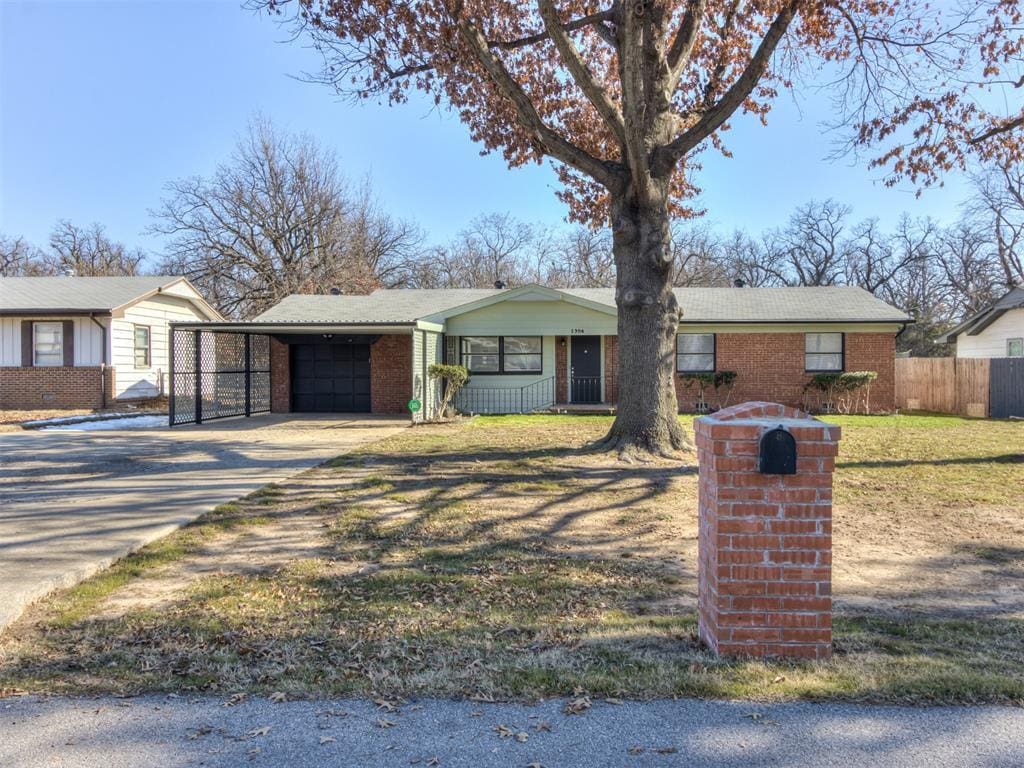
(585,359)
(330,378)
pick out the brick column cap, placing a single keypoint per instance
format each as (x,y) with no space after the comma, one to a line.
(760,416)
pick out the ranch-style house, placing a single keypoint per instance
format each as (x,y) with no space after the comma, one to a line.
(527,348)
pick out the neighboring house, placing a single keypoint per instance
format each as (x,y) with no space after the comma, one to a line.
(532,347)
(80,342)
(996,331)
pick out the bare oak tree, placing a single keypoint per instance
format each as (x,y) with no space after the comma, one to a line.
(19,258)
(88,252)
(279,218)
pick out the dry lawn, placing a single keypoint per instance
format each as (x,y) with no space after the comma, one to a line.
(500,559)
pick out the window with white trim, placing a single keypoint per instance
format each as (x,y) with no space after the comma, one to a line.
(141,346)
(48,344)
(695,352)
(823,352)
(502,354)
(1015,347)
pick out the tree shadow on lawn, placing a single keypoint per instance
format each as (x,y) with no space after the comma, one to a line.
(489,573)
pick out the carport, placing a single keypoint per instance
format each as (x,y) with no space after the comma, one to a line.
(224,369)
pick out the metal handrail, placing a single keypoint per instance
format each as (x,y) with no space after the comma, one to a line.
(496,400)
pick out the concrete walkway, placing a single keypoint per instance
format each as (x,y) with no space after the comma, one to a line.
(170,732)
(73,502)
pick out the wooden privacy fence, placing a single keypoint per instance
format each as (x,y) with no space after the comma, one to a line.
(943,384)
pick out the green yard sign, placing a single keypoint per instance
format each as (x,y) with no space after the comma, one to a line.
(414,405)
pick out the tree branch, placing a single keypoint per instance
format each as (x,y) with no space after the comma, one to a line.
(553,144)
(580,72)
(1006,127)
(713,119)
(634,103)
(685,39)
(596,20)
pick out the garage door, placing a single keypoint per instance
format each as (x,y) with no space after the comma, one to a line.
(331,378)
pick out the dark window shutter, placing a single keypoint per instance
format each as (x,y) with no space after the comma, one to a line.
(26,343)
(69,343)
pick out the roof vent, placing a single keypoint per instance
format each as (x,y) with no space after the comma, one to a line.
(738,282)
(335,291)
(499,284)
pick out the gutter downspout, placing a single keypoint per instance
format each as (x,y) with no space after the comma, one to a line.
(103,358)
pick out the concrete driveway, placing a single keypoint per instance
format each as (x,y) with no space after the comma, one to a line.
(73,502)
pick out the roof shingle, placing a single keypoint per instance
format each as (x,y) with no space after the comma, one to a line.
(700,305)
(75,294)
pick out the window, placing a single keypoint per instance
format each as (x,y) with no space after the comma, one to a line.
(521,354)
(823,352)
(695,352)
(502,354)
(1015,347)
(141,346)
(47,343)
(480,353)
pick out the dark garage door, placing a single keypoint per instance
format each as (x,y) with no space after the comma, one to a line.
(331,378)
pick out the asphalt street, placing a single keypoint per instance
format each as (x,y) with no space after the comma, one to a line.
(181,731)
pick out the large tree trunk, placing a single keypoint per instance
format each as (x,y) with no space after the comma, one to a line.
(648,320)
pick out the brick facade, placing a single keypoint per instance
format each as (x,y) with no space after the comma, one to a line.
(875,352)
(561,369)
(765,540)
(611,369)
(770,367)
(280,377)
(391,374)
(56,387)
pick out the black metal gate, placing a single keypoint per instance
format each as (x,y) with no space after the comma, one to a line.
(1006,387)
(216,374)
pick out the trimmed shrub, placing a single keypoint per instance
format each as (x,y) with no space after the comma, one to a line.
(843,392)
(452,378)
(721,382)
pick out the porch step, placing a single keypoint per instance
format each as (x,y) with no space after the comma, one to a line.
(607,409)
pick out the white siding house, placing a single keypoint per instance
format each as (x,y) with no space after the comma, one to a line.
(996,331)
(78,342)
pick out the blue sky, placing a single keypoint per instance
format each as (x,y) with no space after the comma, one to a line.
(102,103)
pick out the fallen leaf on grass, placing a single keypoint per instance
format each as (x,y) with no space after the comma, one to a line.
(778,679)
(278,697)
(612,700)
(236,698)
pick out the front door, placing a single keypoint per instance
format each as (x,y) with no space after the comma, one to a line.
(331,378)
(585,369)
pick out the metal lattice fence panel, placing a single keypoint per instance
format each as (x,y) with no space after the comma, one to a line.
(183,377)
(216,374)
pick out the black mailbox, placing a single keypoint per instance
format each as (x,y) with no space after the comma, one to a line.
(778,452)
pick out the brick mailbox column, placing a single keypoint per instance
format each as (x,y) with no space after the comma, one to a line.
(765,540)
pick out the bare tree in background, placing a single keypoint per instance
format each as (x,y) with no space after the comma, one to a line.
(582,258)
(19,258)
(999,199)
(697,256)
(88,252)
(279,218)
